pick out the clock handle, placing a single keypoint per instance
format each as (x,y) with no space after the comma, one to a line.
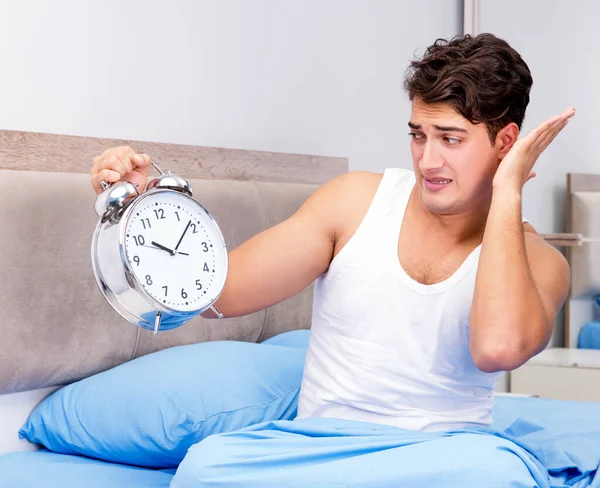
(155,166)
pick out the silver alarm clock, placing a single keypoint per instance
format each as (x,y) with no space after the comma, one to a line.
(159,257)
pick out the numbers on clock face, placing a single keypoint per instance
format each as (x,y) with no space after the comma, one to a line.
(174,251)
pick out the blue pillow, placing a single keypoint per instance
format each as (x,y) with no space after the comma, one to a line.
(149,411)
(293,338)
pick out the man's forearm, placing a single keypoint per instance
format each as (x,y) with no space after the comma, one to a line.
(508,322)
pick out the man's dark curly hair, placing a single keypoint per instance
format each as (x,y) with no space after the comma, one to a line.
(482,78)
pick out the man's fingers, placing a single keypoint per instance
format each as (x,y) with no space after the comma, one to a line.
(545,127)
(532,175)
(107,175)
(117,163)
(551,135)
(532,140)
(552,123)
(546,138)
(142,160)
(545,133)
(568,113)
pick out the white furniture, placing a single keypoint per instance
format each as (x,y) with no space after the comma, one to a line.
(560,374)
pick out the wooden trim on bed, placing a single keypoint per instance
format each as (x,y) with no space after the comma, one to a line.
(32,151)
(583,182)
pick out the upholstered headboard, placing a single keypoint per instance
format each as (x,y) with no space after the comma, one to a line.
(582,217)
(55,326)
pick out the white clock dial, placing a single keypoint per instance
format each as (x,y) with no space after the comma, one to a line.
(175,251)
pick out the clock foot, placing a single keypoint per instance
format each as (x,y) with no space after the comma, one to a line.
(157,322)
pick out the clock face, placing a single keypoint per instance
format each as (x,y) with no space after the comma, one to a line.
(175,250)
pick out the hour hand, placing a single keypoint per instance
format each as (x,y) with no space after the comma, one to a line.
(170,251)
(160,246)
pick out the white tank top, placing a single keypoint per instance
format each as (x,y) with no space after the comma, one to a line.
(385,348)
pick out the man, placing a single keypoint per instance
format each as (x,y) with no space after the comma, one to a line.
(428,283)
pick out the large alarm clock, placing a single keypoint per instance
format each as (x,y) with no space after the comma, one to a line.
(159,257)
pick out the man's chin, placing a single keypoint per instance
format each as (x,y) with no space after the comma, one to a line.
(437,204)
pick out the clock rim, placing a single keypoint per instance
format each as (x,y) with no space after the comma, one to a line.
(130,275)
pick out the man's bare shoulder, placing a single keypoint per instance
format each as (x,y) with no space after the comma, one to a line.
(351,193)
(342,197)
(349,197)
(355,184)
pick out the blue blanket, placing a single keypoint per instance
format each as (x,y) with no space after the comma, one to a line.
(532,443)
(45,469)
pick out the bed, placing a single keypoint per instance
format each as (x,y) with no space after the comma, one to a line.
(582,310)
(87,399)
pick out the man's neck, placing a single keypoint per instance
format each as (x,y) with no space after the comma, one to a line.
(460,227)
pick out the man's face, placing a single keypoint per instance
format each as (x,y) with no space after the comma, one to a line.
(453,159)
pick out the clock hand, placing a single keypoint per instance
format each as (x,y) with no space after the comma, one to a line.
(181,238)
(160,246)
(156,245)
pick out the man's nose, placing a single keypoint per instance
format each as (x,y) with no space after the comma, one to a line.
(431,158)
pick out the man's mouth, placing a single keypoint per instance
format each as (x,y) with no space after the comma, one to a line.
(438,181)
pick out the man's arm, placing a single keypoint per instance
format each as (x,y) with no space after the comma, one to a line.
(521,284)
(283,260)
(275,264)
(521,280)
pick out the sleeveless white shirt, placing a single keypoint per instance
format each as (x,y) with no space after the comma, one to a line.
(385,348)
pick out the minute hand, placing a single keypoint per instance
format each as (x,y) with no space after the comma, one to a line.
(181,238)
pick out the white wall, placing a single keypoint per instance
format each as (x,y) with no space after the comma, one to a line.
(305,76)
(559,42)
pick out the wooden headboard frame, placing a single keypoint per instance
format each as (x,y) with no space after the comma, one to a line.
(52,152)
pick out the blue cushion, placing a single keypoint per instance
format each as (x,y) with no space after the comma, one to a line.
(293,338)
(149,411)
(589,336)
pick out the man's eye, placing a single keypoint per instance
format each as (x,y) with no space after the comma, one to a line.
(452,140)
(415,136)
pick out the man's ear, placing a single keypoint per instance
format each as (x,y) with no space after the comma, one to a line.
(505,139)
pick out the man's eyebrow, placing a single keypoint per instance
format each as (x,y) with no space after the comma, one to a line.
(442,128)
(449,128)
